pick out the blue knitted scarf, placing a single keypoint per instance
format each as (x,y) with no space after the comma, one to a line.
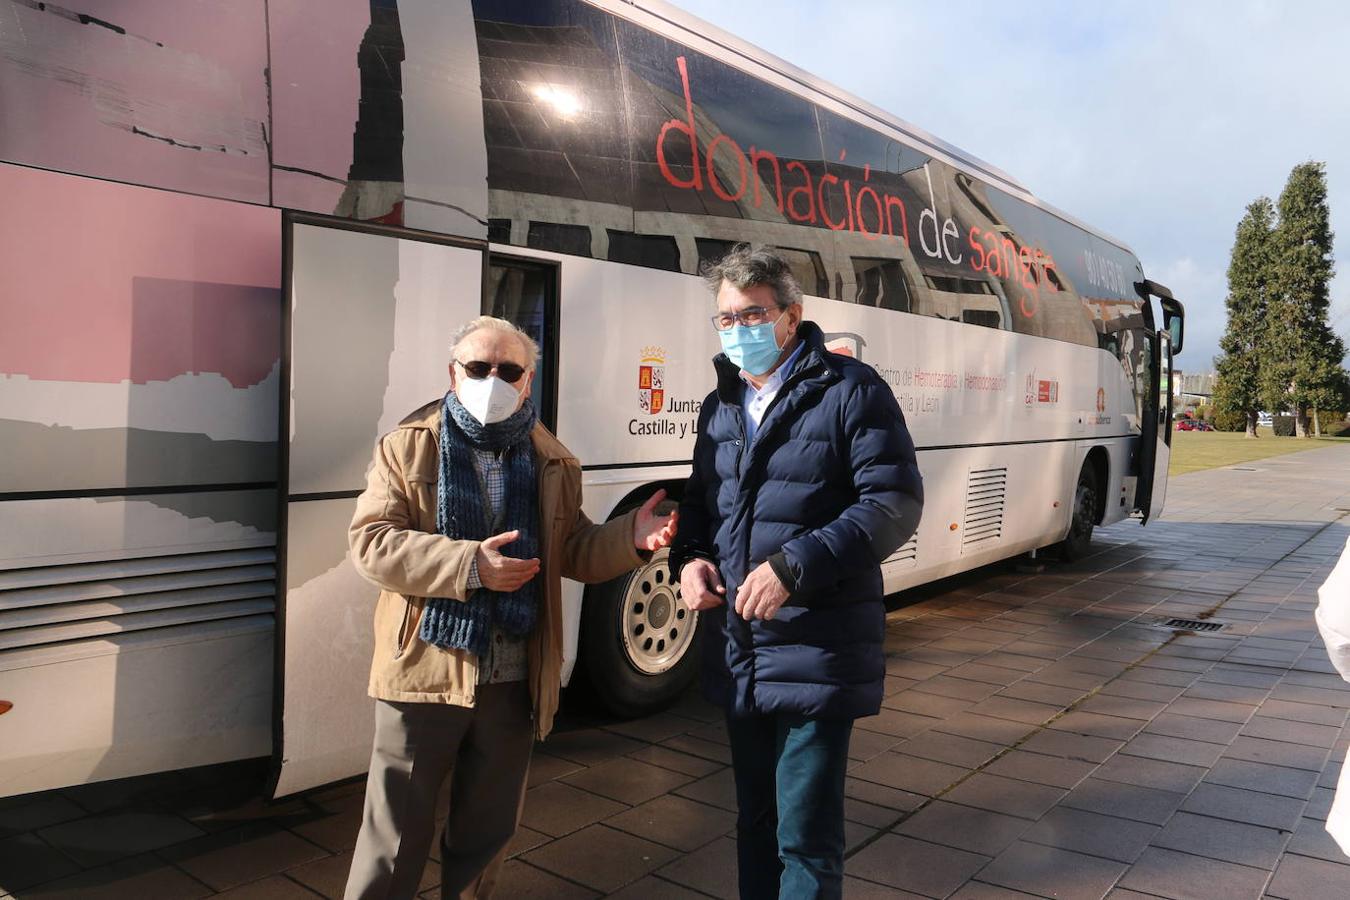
(461,514)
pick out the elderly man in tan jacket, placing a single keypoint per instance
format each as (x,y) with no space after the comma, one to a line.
(470,519)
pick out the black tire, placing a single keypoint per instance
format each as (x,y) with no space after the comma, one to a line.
(639,640)
(1078,542)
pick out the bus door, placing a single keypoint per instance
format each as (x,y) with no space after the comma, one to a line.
(1153,492)
(1155,432)
(368,315)
(525,292)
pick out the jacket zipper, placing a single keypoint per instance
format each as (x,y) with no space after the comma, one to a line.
(740,443)
(806,369)
(741,446)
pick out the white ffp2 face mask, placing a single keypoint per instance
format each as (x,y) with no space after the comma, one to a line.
(488,399)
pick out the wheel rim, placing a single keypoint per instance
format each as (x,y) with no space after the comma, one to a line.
(656,626)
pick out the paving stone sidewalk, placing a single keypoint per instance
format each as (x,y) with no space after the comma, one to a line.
(1041,737)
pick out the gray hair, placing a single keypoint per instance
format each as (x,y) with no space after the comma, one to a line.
(492,323)
(745,267)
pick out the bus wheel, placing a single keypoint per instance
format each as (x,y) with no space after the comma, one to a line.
(1079,539)
(638,640)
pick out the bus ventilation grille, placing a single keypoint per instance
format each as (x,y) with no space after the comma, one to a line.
(76,601)
(908,552)
(986,491)
(1191,625)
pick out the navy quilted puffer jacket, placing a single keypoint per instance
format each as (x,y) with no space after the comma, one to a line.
(827,490)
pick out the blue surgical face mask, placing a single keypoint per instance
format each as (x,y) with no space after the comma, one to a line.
(753,348)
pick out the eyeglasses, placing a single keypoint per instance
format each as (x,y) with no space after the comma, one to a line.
(507,371)
(751,315)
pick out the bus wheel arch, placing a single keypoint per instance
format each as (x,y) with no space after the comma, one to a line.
(674,489)
(638,640)
(1088,506)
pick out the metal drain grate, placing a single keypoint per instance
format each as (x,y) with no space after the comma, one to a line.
(1191,625)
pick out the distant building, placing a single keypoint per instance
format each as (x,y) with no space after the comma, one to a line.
(1193,388)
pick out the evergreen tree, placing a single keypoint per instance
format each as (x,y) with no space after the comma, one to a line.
(1302,367)
(1239,386)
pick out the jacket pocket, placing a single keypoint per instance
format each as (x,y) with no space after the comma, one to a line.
(405,628)
(422,490)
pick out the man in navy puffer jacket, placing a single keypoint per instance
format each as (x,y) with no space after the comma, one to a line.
(804,481)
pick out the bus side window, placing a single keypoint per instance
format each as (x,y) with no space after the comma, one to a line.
(574,240)
(881,283)
(982,317)
(969,300)
(711,251)
(655,251)
(808,268)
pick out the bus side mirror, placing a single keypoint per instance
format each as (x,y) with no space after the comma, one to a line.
(1174,320)
(1174,332)
(1174,313)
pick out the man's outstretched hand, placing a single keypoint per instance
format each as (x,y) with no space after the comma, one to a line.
(650,530)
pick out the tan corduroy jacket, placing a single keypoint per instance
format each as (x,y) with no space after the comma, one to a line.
(395,545)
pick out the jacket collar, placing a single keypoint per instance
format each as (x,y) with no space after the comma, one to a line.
(730,387)
(428,417)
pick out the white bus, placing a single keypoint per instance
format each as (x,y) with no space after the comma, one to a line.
(235,243)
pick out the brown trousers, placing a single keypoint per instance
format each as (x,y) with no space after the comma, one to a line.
(486,752)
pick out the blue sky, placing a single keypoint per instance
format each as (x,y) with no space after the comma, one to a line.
(1155,122)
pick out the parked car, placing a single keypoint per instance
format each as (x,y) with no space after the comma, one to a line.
(1265,420)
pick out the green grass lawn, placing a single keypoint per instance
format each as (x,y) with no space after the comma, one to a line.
(1196,450)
